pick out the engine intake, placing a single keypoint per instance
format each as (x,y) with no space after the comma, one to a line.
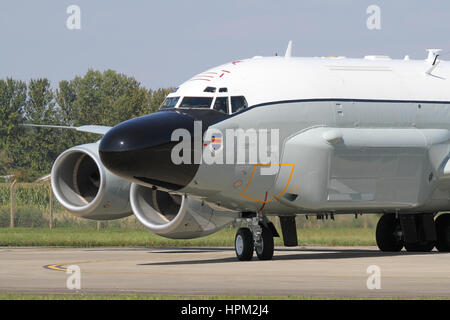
(177,216)
(86,188)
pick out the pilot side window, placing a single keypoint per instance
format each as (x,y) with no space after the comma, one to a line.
(169,103)
(238,104)
(221,105)
(196,102)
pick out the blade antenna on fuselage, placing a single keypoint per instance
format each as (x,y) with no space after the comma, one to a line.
(288,53)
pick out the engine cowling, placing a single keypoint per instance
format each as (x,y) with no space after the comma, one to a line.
(177,216)
(86,188)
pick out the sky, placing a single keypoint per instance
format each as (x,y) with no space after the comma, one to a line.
(163,43)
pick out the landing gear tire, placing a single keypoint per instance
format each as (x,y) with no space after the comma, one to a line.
(243,244)
(422,244)
(264,251)
(426,246)
(388,234)
(443,233)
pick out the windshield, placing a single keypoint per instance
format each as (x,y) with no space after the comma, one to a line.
(196,102)
(169,103)
(238,103)
(221,104)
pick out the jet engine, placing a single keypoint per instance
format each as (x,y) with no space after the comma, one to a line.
(177,216)
(86,188)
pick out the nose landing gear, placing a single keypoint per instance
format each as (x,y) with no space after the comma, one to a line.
(257,237)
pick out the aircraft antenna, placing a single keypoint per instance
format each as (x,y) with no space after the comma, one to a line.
(288,50)
(433,59)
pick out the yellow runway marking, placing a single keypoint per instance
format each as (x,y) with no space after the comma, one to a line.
(60,266)
(56,267)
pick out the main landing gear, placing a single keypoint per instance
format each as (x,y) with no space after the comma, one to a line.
(415,232)
(257,237)
(443,232)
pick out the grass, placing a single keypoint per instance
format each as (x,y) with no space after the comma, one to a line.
(91,296)
(121,237)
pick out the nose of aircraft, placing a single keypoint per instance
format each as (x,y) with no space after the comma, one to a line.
(140,150)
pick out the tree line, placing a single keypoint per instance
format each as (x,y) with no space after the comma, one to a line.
(100,98)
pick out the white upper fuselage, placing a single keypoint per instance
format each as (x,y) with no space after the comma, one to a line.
(269,79)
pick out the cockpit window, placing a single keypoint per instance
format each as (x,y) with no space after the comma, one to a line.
(196,102)
(169,103)
(238,103)
(221,104)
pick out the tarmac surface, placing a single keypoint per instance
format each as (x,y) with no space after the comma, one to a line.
(303,271)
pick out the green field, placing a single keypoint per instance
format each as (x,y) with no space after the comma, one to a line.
(32,218)
(121,237)
(31,222)
(22,296)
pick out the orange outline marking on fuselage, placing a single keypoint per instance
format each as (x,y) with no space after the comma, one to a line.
(268,165)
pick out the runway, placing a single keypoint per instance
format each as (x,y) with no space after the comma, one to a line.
(305,271)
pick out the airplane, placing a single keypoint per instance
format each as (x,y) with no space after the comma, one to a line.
(350,136)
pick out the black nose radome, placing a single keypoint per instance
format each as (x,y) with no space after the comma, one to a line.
(140,150)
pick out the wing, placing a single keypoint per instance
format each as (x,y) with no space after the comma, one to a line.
(88,128)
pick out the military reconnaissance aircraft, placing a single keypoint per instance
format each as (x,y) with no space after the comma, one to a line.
(278,136)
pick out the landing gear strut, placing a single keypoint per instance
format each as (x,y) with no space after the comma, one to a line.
(257,237)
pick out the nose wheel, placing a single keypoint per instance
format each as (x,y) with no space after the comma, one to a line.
(243,244)
(257,238)
(264,249)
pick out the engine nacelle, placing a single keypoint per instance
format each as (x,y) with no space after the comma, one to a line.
(177,216)
(86,188)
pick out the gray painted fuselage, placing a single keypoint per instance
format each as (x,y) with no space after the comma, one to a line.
(390,158)
(355,135)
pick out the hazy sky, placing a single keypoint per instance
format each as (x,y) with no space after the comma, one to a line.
(163,43)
